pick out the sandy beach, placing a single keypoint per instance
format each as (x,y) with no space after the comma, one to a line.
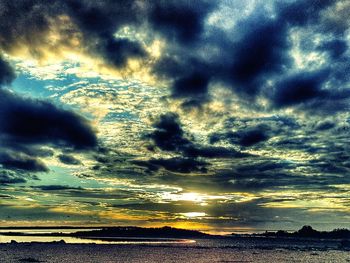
(93,253)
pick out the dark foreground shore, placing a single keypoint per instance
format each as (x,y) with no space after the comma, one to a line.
(93,253)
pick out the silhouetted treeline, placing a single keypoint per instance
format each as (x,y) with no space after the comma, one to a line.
(309,232)
(132,231)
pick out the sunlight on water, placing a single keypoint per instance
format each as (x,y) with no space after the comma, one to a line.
(74,240)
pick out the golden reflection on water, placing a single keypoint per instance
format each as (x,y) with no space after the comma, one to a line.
(74,240)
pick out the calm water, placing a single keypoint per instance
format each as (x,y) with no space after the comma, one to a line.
(47,230)
(75,240)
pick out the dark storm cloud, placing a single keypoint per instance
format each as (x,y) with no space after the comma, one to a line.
(28,23)
(68,159)
(27,124)
(252,136)
(245,137)
(254,131)
(10,177)
(56,187)
(20,161)
(101,17)
(262,51)
(31,150)
(181,21)
(169,136)
(300,88)
(269,56)
(98,21)
(118,51)
(87,194)
(193,84)
(31,121)
(325,125)
(190,76)
(336,48)
(176,164)
(7,75)
(307,92)
(258,51)
(24,21)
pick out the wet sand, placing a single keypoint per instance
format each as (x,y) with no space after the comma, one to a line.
(96,253)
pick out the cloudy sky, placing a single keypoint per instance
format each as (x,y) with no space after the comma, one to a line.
(212,115)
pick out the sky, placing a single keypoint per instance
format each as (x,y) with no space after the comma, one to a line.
(220,116)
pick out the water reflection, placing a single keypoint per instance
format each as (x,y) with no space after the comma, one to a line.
(75,240)
(47,230)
